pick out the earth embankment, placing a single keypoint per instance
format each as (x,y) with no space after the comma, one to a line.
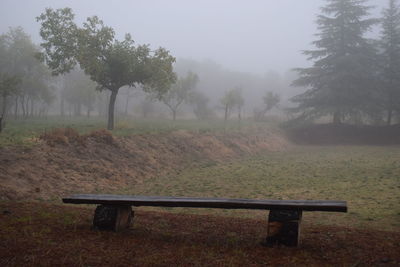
(64,162)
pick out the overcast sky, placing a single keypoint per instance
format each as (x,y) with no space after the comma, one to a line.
(249,36)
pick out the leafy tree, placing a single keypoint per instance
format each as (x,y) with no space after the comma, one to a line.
(390,45)
(271,100)
(8,86)
(341,80)
(232,99)
(111,63)
(80,91)
(35,88)
(146,107)
(200,105)
(239,101)
(17,59)
(179,92)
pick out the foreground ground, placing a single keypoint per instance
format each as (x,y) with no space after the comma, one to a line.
(36,230)
(38,234)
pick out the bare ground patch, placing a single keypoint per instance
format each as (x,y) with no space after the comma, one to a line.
(38,234)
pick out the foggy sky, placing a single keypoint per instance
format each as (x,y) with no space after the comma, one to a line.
(248,36)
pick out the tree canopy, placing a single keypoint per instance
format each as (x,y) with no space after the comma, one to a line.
(109,62)
(179,92)
(232,99)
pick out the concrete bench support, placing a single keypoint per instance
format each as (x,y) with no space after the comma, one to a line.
(112,218)
(284,228)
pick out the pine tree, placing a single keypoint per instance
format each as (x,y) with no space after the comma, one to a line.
(390,45)
(340,82)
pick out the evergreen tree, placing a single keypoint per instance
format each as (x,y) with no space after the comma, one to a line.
(340,82)
(390,45)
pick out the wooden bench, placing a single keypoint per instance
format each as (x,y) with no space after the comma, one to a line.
(114,212)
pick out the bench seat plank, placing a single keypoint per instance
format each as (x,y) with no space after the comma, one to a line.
(223,203)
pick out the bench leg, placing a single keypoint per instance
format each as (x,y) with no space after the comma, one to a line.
(284,228)
(112,218)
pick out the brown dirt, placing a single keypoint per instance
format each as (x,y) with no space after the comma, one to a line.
(38,234)
(343,134)
(65,162)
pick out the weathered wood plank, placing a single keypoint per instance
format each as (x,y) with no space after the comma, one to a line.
(223,203)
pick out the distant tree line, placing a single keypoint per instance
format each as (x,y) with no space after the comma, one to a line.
(353,79)
(25,83)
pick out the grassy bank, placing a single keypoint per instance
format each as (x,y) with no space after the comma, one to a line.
(367,177)
(24,132)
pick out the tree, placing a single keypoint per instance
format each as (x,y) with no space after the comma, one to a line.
(35,88)
(179,92)
(80,91)
(200,105)
(390,45)
(271,100)
(111,63)
(239,101)
(231,99)
(341,80)
(146,107)
(8,87)
(17,59)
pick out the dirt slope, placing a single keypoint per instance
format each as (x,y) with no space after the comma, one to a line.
(65,162)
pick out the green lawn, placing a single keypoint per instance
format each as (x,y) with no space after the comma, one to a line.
(23,132)
(367,177)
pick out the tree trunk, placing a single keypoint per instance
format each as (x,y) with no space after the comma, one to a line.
(88,113)
(79,108)
(16,108)
(27,107)
(111,107)
(23,106)
(389,117)
(126,105)
(32,105)
(226,113)
(336,117)
(62,106)
(3,113)
(173,114)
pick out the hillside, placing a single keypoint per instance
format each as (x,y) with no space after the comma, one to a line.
(63,161)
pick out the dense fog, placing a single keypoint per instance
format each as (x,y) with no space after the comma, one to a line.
(229,45)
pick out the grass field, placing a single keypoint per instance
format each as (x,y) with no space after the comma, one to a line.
(47,233)
(367,177)
(22,132)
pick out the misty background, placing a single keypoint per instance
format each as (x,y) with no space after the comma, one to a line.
(252,45)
